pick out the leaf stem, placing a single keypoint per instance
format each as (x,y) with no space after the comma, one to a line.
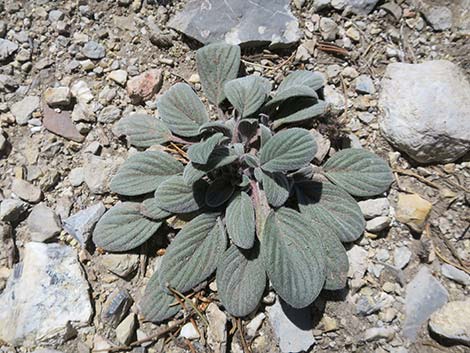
(261,207)
(177,139)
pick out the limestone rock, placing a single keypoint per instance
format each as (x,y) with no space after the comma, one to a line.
(11,210)
(413,210)
(420,117)
(23,109)
(46,297)
(81,224)
(7,49)
(26,191)
(452,322)
(375,207)
(250,23)
(58,97)
(43,223)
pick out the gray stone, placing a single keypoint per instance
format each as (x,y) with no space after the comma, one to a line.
(57,97)
(328,28)
(43,223)
(81,92)
(7,49)
(109,114)
(76,176)
(357,257)
(23,109)
(94,50)
(116,307)
(420,117)
(292,327)
(424,295)
(217,331)
(11,210)
(375,207)
(56,15)
(452,322)
(377,224)
(455,274)
(81,224)
(118,76)
(360,7)
(98,172)
(364,84)
(189,332)
(401,256)
(375,333)
(46,298)
(26,191)
(125,331)
(439,17)
(253,326)
(3,29)
(251,23)
(8,83)
(120,264)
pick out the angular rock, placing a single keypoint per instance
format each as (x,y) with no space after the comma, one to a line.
(364,84)
(144,86)
(424,295)
(46,297)
(189,332)
(401,256)
(81,224)
(292,327)
(455,274)
(375,207)
(253,326)
(116,307)
(250,23)
(357,257)
(94,50)
(439,17)
(11,210)
(109,114)
(26,191)
(76,176)
(420,117)
(43,223)
(57,97)
(377,224)
(452,322)
(120,264)
(376,333)
(412,210)
(61,124)
(7,49)
(98,172)
(23,109)
(125,331)
(81,92)
(360,7)
(217,331)
(118,76)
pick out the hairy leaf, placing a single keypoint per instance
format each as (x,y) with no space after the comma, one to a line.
(313,110)
(123,228)
(241,280)
(276,187)
(359,172)
(216,126)
(247,94)
(265,134)
(182,111)
(143,172)
(174,195)
(217,63)
(143,130)
(293,257)
(194,253)
(247,129)
(200,152)
(288,150)
(292,92)
(149,208)
(313,80)
(157,305)
(220,157)
(332,207)
(219,192)
(336,259)
(240,221)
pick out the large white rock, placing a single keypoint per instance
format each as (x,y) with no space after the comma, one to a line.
(46,297)
(426,110)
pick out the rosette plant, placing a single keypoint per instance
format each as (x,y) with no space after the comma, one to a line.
(260,210)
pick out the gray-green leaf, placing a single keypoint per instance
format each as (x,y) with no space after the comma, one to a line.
(143,172)
(194,254)
(293,257)
(174,195)
(311,111)
(220,157)
(276,187)
(123,228)
(240,221)
(359,172)
(292,92)
(288,150)
(313,80)
(200,152)
(149,208)
(157,305)
(265,134)
(241,280)
(182,111)
(247,94)
(217,63)
(219,192)
(143,130)
(332,207)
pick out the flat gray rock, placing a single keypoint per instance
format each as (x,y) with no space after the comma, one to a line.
(250,23)
(7,49)
(45,298)
(452,322)
(292,327)
(455,274)
(426,110)
(424,295)
(43,223)
(81,224)
(23,109)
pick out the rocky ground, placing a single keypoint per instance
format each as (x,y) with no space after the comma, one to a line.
(397,76)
